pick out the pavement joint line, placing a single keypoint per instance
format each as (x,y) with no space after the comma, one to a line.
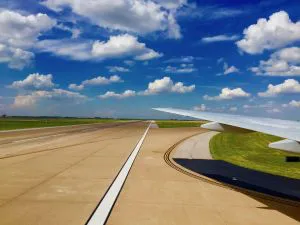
(106,204)
(58,148)
(36,138)
(64,126)
(40,128)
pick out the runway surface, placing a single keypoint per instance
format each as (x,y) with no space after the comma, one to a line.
(58,176)
(156,193)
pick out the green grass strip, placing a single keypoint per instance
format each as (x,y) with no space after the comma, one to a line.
(251,151)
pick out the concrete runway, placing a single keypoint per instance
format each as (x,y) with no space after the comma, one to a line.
(58,176)
(157,194)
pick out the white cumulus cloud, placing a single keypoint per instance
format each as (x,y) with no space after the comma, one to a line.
(23,31)
(137,16)
(156,87)
(19,33)
(118,46)
(287,87)
(34,81)
(285,62)
(100,80)
(112,94)
(293,103)
(58,95)
(274,33)
(167,85)
(228,93)
(15,57)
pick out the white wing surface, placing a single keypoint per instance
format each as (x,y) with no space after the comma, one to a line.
(223,122)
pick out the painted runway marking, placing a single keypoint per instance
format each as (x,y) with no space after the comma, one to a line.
(103,210)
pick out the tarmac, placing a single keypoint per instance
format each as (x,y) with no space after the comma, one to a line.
(157,193)
(196,147)
(47,179)
(59,176)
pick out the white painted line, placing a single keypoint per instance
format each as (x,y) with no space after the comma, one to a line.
(101,214)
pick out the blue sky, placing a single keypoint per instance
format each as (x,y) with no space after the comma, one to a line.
(121,58)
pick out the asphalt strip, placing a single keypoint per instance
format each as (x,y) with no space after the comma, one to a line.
(105,206)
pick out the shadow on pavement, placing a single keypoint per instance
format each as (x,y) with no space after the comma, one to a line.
(261,182)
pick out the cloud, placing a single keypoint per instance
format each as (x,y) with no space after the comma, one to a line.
(148,55)
(229,69)
(111,94)
(114,69)
(172,4)
(118,46)
(59,95)
(233,109)
(129,62)
(34,81)
(96,82)
(220,60)
(156,87)
(174,30)
(274,33)
(72,49)
(137,16)
(167,85)
(287,87)
(183,59)
(201,108)
(15,57)
(274,110)
(19,34)
(219,38)
(293,103)
(183,68)
(213,12)
(74,31)
(267,105)
(285,62)
(228,93)
(23,31)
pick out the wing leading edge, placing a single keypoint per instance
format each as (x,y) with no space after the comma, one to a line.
(281,128)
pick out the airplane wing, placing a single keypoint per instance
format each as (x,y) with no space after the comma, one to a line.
(290,130)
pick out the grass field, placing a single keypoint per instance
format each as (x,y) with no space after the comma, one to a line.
(251,151)
(178,123)
(12,123)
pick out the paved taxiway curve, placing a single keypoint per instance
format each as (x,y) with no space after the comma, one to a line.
(157,194)
(47,179)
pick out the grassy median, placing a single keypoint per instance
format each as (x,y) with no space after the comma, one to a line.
(178,123)
(12,123)
(251,151)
